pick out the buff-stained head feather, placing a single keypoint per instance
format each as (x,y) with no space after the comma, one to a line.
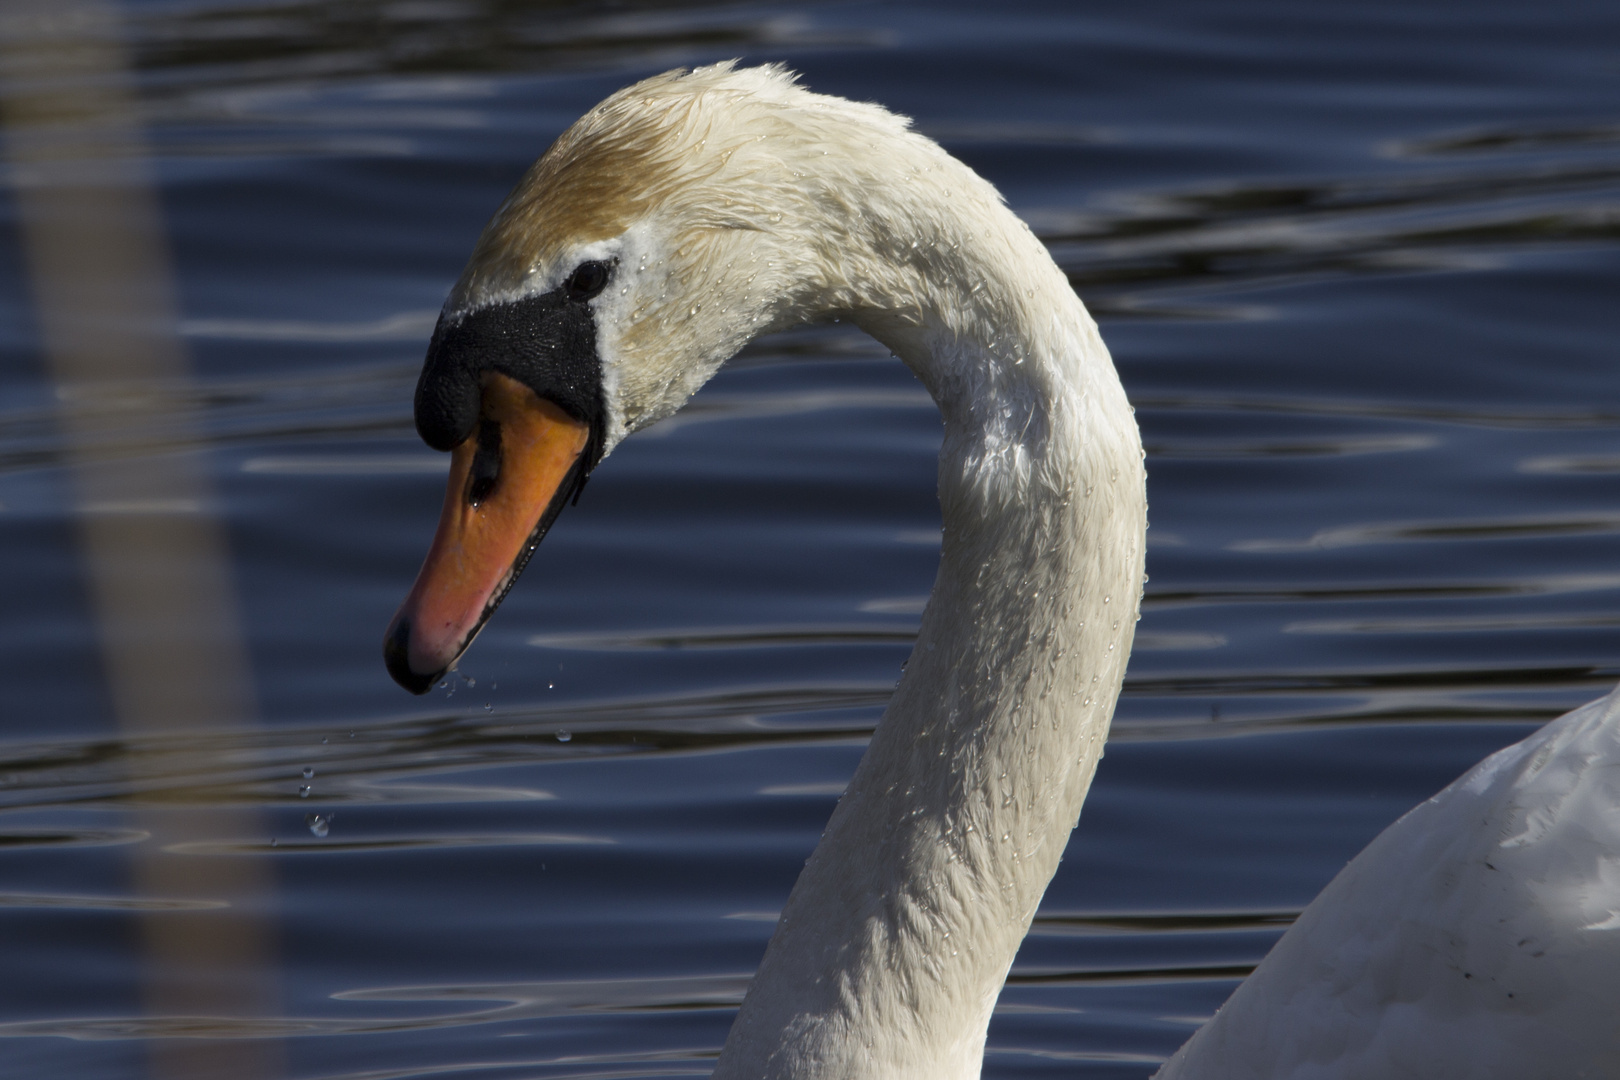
(667,147)
(729,202)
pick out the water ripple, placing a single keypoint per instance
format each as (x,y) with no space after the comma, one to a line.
(262,766)
(506,1001)
(1380,224)
(1227,592)
(1506,528)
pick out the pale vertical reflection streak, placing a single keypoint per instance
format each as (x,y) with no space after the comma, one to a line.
(155,558)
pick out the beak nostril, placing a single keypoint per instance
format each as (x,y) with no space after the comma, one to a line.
(486,464)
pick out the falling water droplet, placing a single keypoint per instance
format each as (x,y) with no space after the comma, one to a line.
(303,791)
(309,772)
(319,824)
(564,736)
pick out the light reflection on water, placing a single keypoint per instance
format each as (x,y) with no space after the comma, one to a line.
(1361,298)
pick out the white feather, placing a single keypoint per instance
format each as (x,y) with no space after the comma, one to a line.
(1479,937)
(1475,939)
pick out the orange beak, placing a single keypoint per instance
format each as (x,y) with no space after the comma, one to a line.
(508,481)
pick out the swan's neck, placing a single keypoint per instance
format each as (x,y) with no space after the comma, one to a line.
(896,940)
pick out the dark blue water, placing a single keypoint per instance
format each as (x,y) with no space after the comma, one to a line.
(1358,265)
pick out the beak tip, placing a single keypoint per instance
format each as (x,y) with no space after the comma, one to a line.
(397,656)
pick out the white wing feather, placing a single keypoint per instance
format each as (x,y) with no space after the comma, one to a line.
(1477,938)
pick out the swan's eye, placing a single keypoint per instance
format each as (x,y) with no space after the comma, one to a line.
(587,280)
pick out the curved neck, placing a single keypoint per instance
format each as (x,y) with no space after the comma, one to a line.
(893,947)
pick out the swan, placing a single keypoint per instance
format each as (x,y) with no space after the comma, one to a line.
(1478,937)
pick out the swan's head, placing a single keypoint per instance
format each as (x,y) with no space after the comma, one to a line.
(677,220)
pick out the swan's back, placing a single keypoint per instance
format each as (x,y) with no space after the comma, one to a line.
(1477,937)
